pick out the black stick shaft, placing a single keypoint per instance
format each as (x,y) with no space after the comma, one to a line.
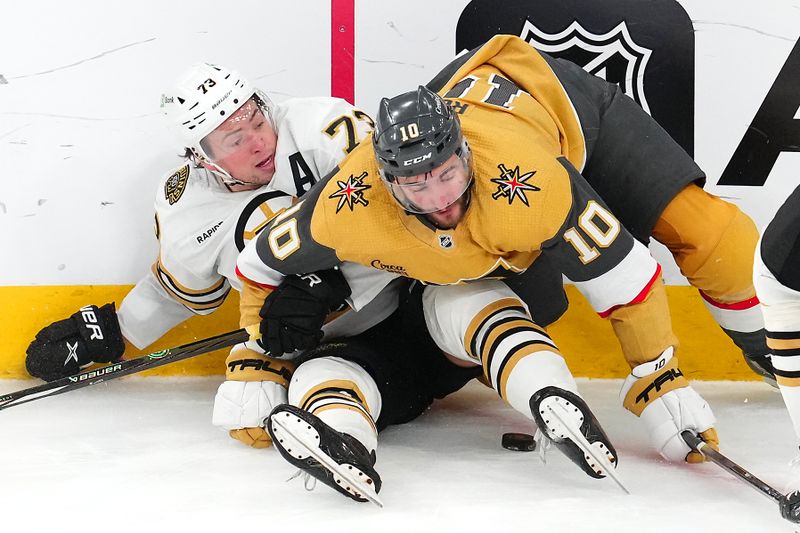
(123,368)
(699,445)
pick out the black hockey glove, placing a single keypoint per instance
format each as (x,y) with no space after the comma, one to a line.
(91,335)
(292,316)
(790,507)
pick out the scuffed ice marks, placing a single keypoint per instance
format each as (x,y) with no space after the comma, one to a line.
(79,62)
(698,22)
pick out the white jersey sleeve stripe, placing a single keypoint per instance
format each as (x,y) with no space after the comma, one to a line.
(625,284)
(196,300)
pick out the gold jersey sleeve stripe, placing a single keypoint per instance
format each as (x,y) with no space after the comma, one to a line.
(219,290)
(159,269)
(194,306)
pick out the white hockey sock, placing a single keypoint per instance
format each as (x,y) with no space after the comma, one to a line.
(534,372)
(342,394)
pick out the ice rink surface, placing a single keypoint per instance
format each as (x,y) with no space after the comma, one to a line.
(140,454)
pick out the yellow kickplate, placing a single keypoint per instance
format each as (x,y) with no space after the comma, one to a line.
(587,341)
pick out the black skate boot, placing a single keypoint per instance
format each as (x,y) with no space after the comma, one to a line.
(762,365)
(756,353)
(337,459)
(567,421)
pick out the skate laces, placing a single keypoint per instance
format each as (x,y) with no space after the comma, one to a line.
(309,481)
(543,445)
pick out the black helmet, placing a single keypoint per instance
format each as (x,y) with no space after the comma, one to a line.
(415,133)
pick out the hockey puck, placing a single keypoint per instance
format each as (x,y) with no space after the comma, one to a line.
(518,442)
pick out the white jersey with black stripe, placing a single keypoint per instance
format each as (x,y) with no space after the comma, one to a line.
(202,225)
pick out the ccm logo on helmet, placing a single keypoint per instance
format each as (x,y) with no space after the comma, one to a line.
(90,319)
(416,160)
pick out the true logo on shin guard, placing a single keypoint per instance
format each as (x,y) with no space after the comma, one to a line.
(668,377)
(258,365)
(244,364)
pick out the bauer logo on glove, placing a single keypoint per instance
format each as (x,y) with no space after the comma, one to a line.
(91,335)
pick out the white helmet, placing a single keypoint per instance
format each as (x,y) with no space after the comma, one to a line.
(203,99)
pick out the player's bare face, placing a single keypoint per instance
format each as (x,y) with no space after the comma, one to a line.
(438,194)
(450,216)
(244,145)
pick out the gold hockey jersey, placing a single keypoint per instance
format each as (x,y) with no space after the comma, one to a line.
(526,199)
(508,74)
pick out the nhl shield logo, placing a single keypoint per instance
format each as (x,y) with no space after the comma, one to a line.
(613,56)
(446,241)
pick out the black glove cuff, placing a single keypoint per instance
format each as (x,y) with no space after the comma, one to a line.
(328,286)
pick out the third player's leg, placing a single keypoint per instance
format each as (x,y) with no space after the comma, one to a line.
(713,243)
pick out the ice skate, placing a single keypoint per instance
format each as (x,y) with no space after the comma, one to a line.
(337,459)
(569,424)
(761,365)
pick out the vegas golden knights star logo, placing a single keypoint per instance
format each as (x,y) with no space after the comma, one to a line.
(351,192)
(511,185)
(176,184)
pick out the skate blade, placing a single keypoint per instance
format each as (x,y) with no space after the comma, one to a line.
(588,449)
(289,424)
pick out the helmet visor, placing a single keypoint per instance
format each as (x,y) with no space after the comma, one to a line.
(237,133)
(434,190)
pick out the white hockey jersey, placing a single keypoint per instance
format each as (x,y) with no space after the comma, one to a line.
(202,226)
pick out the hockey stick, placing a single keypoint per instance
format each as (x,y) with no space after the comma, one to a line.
(789,504)
(125,368)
